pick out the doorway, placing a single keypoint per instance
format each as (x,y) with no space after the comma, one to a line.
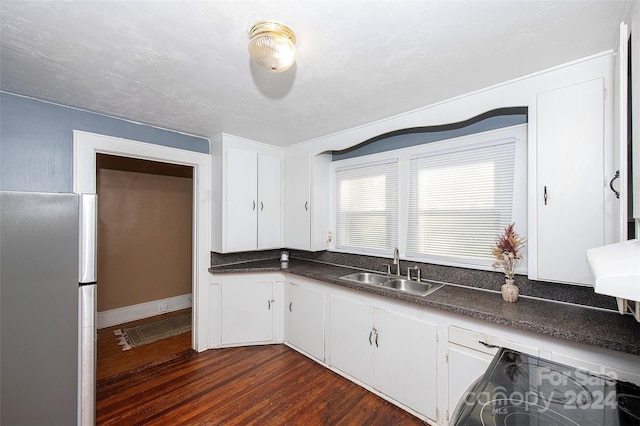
(145,214)
(86,146)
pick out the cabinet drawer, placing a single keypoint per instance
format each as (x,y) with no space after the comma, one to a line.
(485,343)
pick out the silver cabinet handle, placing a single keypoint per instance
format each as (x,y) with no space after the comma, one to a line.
(254,205)
(306,206)
(545,196)
(487,344)
(261,206)
(269,302)
(373,333)
(290,306)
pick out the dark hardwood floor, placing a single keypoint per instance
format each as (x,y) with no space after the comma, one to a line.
(112,360)
(261,385)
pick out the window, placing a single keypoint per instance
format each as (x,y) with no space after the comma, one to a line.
(459,200)
(441,202)
(367,207)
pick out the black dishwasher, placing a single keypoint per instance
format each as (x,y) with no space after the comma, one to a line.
(520,389)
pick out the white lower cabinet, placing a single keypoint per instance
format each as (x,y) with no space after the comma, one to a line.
(465,366)
(394,354)
(305,320)
(247,312)
(351,332)
(406,361)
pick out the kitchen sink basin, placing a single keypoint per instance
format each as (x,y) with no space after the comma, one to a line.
(420,288)
(367,278)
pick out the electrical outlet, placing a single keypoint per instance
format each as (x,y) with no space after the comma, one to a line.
(329,237)
(164,307)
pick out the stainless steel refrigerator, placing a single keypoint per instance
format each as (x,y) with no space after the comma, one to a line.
(47,308)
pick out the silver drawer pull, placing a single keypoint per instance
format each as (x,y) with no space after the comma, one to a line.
(488,345)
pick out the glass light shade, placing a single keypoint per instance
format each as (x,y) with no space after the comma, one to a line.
(272,46)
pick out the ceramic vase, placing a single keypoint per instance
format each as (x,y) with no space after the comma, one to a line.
(510,291)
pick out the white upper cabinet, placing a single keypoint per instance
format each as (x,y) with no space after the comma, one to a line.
(269,202)
(246,192)
(306,201)
(297,187)
(570,176)
(241,203)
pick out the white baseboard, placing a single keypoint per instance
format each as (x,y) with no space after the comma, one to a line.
(142,310)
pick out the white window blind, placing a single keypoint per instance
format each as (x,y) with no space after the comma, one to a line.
(367,207)
(460,201)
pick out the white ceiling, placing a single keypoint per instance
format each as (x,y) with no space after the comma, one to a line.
(183,65)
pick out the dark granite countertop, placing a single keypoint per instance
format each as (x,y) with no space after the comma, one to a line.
(586,325)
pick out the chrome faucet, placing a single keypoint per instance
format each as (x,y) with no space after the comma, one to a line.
(396,260)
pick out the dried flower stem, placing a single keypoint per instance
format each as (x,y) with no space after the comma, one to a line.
(508,251)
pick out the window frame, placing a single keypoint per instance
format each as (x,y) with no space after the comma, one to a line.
(368,214)
(520,195)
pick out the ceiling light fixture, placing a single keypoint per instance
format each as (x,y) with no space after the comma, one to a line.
(272,46)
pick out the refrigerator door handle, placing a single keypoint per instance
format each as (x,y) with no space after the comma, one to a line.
(87,356)
(88,238)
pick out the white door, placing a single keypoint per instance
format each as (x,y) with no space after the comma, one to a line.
(269,202)
(305,320)
(241,200)
(352,338)
(297,207)
(246,313)
(406,361)
(570,124)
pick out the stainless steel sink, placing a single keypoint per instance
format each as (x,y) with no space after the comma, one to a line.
(420,288)
(367,278)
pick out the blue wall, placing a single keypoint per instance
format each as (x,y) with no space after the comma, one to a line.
(36,142)
(405,138)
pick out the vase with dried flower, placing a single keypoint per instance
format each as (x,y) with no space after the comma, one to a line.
(508,254)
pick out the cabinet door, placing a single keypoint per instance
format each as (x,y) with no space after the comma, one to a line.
(269,202)
(351,336)
(246,313)
(465,366)
(241,202)
(406,361)
(297,216)
(570,171)
(305,320)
